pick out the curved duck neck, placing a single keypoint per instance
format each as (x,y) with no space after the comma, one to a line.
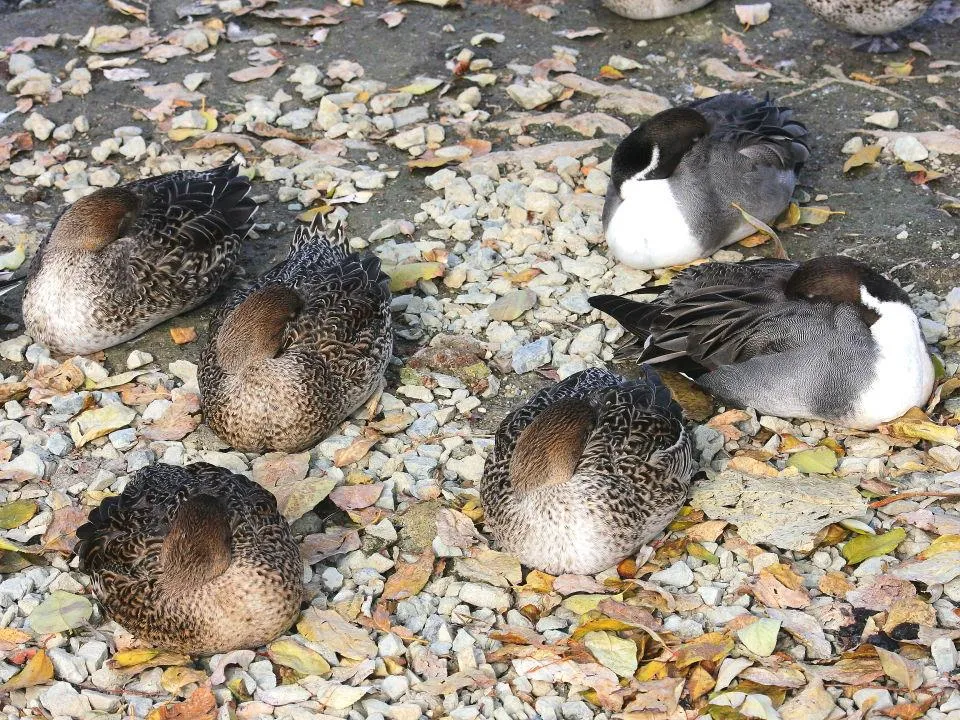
(95,221)
(197,548)
(253,331)
(655,149)
(549,448)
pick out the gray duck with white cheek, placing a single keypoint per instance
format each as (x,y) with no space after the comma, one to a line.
(828,339)
(294,355)
(122,260)
(587,471)
(675,179)
(194,559)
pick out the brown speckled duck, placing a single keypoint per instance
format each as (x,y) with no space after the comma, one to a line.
(586,472)
(307,345)
(121,260)
(869,17)
(653,9)
(194,559)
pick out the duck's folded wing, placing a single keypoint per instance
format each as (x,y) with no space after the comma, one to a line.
(723,326)
(766,272)
(188,233)
(638,425)
(760,131)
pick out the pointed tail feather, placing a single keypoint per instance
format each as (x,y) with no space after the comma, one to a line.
(635,317)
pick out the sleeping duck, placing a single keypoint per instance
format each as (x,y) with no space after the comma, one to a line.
(828,339)
(586,472)
(870,17)
(307,345)
(121,260)
(194,559)
(675,179)
(653,9)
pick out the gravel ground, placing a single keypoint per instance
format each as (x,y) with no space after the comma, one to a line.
(815,572)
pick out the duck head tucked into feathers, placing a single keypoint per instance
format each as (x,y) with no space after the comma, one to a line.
(95,221)
(549,449)
(653,150)
(254,330)
(193,559)
(197,548)
(830,339)
(839,279)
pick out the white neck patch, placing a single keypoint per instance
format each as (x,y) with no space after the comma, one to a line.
(654,161)
(874,303)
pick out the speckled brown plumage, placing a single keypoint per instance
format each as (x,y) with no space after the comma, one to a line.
(121,260)
(653,9)
(197,605)
(869,17)
(608,467)
(293,356)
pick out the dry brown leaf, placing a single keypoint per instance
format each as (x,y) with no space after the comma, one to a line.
(255,73)
(177,420)
(61,534)
(355,497)
(709,647)
(328,628)
(138,10)
(816,214)
(696,404)
(409,578)
(320,546)
(912,610)
(778,586)
(215,139)
(904,672)
(201,705)
(183,335)
(755,240)
(356,451)
(835,584)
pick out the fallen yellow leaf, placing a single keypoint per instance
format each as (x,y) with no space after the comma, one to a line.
(864,156)
(38,670)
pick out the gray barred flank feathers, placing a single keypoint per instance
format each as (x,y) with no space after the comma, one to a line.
(197,602)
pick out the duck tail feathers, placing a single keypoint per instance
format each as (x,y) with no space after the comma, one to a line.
(323,235)
(650,391)
(325,243)
(635,317)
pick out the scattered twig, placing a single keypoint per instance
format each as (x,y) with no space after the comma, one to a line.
(912,494)
(834,78)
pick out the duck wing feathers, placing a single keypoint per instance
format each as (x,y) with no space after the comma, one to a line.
(758,130)
(188,231)
(346,302)
(635,421)
(123,537)
(718,326)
